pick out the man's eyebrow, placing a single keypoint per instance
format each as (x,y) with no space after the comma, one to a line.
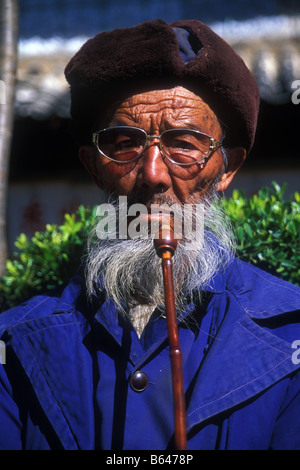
(180,125)
(185,125)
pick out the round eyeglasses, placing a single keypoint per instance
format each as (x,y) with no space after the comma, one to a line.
(124,144)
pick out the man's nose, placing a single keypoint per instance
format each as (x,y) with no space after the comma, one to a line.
(153,172)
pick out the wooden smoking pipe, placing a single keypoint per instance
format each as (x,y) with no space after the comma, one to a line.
(165,246)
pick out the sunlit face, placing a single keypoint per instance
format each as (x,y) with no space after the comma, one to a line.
(151,175)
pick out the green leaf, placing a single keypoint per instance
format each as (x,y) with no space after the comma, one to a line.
(248,230)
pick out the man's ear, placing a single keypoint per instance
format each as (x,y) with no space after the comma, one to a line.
(235,158)
(87,156)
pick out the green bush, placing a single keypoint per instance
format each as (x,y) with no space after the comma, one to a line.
(267,229)
(47,260)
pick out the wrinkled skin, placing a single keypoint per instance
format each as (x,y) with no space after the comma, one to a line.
(151,176)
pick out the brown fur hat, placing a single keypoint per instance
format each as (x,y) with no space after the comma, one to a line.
(155,54)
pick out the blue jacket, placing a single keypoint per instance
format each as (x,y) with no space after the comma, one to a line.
(65,384)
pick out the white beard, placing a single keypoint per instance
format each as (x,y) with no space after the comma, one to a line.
(132,274)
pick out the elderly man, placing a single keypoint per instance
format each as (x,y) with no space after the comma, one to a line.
(164,114)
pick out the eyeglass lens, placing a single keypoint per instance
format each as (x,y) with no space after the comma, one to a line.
(182,146)
(121,144)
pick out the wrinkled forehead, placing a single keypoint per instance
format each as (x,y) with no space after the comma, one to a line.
(163,108)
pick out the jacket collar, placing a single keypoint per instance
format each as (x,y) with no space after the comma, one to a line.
(226,377)
(232,375)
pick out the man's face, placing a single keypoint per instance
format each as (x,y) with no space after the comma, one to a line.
(152,179)
(156,111)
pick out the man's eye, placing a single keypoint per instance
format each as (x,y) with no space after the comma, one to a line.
(184,145)
(125,144)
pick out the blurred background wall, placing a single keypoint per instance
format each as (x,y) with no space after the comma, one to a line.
(46,178)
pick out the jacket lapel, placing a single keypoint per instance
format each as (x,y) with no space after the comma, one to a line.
(243,360)
(59,367)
